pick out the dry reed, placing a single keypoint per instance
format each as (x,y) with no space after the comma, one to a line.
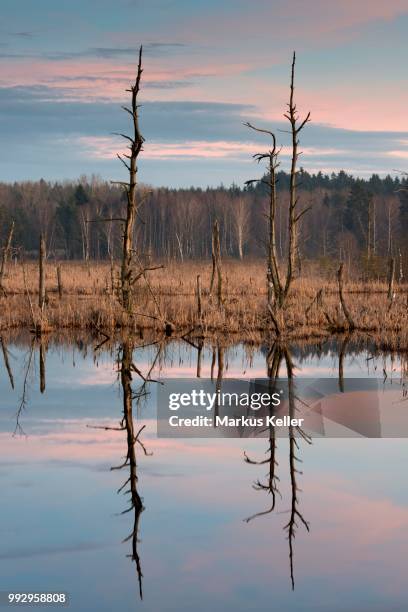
(88,302)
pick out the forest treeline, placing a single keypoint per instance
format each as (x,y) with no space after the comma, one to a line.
(349,218)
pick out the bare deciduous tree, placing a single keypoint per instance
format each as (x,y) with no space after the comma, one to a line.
(241,218)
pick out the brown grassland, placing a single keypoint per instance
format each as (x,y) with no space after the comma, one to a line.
(168,299)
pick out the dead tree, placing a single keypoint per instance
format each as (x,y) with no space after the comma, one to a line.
(216,263)
(130,162)
(294,217)
(41,278)
(281,287)
(199,299)
(275,287)
(343,304)
(6,251)
(128,275)
(240,224)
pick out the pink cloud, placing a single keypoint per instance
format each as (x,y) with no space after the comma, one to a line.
(105,147)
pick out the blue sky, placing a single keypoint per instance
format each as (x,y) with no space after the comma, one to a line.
(209,66)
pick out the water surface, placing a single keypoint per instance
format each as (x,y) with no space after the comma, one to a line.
(200,526)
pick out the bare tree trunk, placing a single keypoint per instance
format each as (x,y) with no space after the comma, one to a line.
(389,230)
(294,217)
(136,143)
(374,228)
(59,281)
(240,247)
(216,259)
(369,231)
(6,251)
(41,280)
(274,285)
(112,275)
(342,301)
(85,236)
(199,304)
(180,247)
(391,274)
(214,267)
(30,303)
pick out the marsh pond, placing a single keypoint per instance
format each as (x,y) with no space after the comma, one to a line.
(96,505)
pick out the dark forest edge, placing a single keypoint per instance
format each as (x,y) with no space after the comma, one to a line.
(360,220)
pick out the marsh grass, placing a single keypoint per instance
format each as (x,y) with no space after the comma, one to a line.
(88,302)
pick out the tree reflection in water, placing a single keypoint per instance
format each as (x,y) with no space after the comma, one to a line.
(279,365)
(127,368)
(277,355)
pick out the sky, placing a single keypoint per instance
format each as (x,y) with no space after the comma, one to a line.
(208,68)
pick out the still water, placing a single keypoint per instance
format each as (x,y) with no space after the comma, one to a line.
(198,523)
